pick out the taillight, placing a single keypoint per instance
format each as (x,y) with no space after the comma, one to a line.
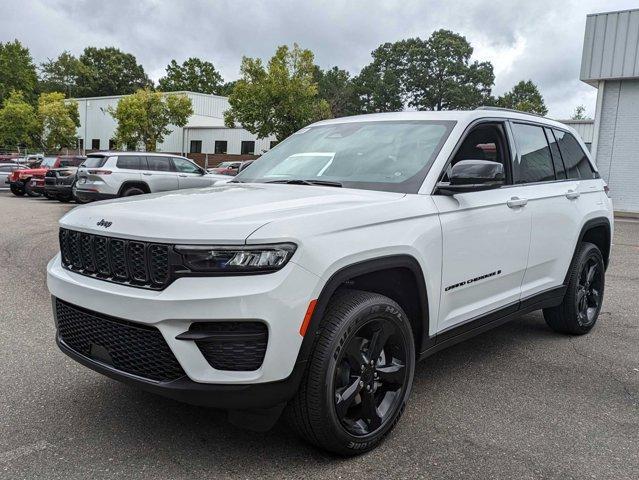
(607,190)
(99,172)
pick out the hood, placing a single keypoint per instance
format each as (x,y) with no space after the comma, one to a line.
(221,214)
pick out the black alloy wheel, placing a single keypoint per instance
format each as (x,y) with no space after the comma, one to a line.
(580,308)
(370,377)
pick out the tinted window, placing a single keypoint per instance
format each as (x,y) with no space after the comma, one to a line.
(94,162)
(221,146)
(95,144)
(575,160)
(560,172)
(184,166)
(248,147)
(159,164)
(195,146)
(131,162)
(534,163)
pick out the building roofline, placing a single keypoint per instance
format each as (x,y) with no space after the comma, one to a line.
(613,11)
(184,92)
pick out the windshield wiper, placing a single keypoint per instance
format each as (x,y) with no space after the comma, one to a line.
(300,181)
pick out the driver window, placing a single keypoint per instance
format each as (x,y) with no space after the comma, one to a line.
(484,142)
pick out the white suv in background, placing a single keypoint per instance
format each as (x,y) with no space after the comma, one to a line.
(108,175)
(315,280)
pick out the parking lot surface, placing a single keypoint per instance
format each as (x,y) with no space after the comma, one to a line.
(517,402)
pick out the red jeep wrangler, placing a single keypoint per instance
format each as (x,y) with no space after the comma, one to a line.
(31,180)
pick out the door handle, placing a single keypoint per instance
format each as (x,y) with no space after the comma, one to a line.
(147,173)
(572,194)
(516,202)
(182,175)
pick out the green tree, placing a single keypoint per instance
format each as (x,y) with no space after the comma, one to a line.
(380,84)
(580,113)
(226,89)
(18,123)
(62,75)
(58,121)
(438,73)
(194,75)
(279,99)
(144,117)
(524,96)
(17,71)
(337,88)
(109,71)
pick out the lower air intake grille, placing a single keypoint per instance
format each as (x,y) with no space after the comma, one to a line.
(132,348)
(235,346)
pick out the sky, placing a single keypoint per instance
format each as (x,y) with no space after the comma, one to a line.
(540,40)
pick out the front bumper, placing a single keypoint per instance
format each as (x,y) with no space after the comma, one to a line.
(278,299)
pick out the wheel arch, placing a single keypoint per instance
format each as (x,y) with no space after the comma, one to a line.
(597,231)
(382,275)
(133,183)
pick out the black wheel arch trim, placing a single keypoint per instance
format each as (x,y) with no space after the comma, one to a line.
(133,183)
(355,270)
(590,224)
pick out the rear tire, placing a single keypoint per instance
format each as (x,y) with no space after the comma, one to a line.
(578,312)
(30,192)
(130,191)
(359,374)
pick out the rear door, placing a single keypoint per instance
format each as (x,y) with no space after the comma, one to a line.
(486,236)
(160,174)
(189,174)
(552,200)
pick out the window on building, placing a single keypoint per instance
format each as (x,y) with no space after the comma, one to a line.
(575,159)
(196,146)
(272,144)
(560,171)
(221,146)
(159,164)
(81,143)
(111,144)
(131,162)
(534,162)
(95,144)
(248,147)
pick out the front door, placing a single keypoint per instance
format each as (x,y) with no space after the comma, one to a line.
(486,237)
(190,175)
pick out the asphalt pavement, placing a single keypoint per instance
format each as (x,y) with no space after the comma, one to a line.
(517,402)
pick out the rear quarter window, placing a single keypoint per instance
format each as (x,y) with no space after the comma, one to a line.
(575,159)
(94,162)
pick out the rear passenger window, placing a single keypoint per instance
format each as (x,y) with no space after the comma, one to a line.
(534,162)
(560,171)
(575,159)
(131,162)
(159,164)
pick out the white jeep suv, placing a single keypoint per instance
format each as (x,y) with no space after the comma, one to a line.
(107,175)
(315,280)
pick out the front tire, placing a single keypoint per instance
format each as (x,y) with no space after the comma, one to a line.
(359,374)
(578,312)
(18,192)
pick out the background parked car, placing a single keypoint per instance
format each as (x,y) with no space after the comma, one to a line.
(31,180)
(230,168)
(107,175)
(58,183)
(5,171)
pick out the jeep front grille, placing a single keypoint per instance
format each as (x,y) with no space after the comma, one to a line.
(128,262)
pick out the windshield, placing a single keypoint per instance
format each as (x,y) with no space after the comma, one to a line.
(48,162)
(391,156)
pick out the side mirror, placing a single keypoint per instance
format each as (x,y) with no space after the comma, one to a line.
(473,176)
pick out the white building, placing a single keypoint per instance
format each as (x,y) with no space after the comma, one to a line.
(204,133)
(610,63)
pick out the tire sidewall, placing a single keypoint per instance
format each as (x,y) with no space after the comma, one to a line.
(127,192)
(364,314)
(589,251)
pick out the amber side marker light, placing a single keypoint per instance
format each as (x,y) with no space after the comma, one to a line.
(307,317)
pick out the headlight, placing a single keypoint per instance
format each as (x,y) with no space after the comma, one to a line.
(236,259)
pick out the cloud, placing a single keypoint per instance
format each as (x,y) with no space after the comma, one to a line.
(539,40)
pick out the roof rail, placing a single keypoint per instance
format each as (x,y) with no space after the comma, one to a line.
(488,107)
